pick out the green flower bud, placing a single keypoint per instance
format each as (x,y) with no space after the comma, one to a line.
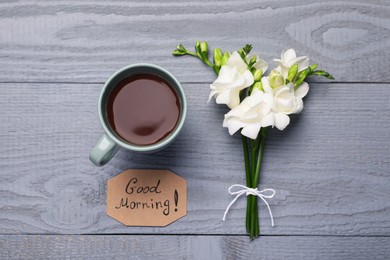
(323,74)
(217,57)
(258,85)
(204,49)
(257,75)
(197,48)
(313,67)
(225,58)
(292,72)
(242,54)
(274,73)
(252,61)
(275,79)
(181,48)
(178,53)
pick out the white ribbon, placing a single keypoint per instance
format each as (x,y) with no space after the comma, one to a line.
(250,191)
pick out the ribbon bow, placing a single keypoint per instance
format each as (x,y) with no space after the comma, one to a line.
(251,191)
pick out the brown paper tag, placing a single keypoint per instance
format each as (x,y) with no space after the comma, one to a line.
(147,197)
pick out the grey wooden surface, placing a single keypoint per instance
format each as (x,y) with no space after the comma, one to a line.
(330,167)
(193,247)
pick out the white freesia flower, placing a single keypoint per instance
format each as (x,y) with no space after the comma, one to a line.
(259,64)
(252,114)
(288,59)
(233,77)
(284,100)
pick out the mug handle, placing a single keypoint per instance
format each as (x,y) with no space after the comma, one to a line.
(103,151)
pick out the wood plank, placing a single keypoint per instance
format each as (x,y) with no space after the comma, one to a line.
(192,247)
(87,41)
(330,167)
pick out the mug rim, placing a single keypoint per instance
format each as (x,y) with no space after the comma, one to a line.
(171,136)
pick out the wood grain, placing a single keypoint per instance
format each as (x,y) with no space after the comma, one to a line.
(77,41)
(192,247)
(330,167)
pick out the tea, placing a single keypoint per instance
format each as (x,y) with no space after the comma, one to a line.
(143,109)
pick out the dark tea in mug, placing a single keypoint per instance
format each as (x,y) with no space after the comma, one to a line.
(143,109)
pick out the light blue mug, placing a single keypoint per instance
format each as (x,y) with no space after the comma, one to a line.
(110,143)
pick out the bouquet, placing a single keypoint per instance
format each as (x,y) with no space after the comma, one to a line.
(257,102)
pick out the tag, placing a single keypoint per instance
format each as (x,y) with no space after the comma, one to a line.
(147,197)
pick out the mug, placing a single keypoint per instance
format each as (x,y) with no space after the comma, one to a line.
(110,142)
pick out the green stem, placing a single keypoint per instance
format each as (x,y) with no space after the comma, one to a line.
(192,53)
(255,231)
(253,217)
(246,157)
(216,70)
(252,199)
(248,180)
(248,213)
(207,62)
(259,158)
(253,158)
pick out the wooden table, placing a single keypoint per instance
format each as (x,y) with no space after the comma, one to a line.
(330,167)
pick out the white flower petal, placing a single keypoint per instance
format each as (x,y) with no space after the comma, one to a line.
(298,106)
(250,115)
(237,111)
(279,62)
(302,62)
(302,90)
(288,59)
(288,55)
(212,93)
(267,88)
(223,97)
(251,131)
(261,65)
(282,89)
(254,99)
(226,75)
(250,56)
(269,120)
(281,121)
(235,60)
(248,76)
(269,99)
(233,125)
(225,121)
(234,98)
(286,105)
(233,77)
(243,109)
